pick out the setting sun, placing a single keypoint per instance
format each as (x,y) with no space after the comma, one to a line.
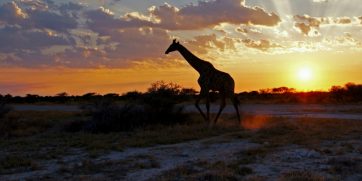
(305,74)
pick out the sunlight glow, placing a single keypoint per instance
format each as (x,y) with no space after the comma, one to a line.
(305,74)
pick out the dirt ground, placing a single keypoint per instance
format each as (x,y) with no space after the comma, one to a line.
(288,152)
(333,160)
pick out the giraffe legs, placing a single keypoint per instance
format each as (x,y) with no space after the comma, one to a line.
(235,101)
(207,107)
(198,107)
(222,106)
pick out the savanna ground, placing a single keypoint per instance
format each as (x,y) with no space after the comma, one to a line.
(36,147)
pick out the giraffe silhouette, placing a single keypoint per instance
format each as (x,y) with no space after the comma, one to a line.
(210,79)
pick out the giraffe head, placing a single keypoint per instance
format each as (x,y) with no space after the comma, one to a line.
(173,47)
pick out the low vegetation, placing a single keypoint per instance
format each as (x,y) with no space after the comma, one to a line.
(4,109)
(349,93)
(158,107)
(306,131)
(301,176)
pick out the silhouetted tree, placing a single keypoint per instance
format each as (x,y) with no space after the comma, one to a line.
(111,95)
(61,97)
(354,92)
(282,90)
(31,98)
(132,95)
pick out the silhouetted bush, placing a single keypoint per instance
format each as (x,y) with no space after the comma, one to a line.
(73,125)
(159,106)
(5,123)
(107,116)
(4,109)
(350,92)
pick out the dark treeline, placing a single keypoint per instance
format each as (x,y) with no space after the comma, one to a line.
(349,93)
(169,90)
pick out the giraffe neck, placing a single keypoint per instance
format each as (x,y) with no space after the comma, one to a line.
(198,64)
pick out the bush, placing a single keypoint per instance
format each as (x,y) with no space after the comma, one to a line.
(4,109)
(159,106)
(107,116)
(5,123)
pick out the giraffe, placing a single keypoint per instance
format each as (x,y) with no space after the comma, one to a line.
(210,79)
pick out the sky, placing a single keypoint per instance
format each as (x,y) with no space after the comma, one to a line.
(116,46)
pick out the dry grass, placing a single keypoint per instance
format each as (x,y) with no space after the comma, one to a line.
(203,170)
(345,165)
(301,176)
(15,163)
(35,138)
(47,142)
(28,123)
(306,131)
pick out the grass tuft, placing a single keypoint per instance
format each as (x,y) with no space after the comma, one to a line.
(301,176)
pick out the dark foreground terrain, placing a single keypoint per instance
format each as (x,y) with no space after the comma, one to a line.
(269,147)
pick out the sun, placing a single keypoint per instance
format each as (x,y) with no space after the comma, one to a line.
(305,74)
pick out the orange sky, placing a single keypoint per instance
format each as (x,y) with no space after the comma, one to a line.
(249,76)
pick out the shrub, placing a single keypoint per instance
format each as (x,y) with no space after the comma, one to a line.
(107,116)
(159,106)
(4,109)
(5,123)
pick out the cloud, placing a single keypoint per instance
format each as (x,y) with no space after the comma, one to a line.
(15,39)
(320,1)
(203,43)
(344,20)
(38,16)
(191,17)
(262,45)
(211,13)
(310,26)
(11,13)
(120,49)
(306,23)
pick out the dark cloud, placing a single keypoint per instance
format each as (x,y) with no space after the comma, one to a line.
(15,39)
(105,23)
(10,13)
(29,27)
(40,18)
(211,13)
(45,19)
(204,15)
(122,49)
